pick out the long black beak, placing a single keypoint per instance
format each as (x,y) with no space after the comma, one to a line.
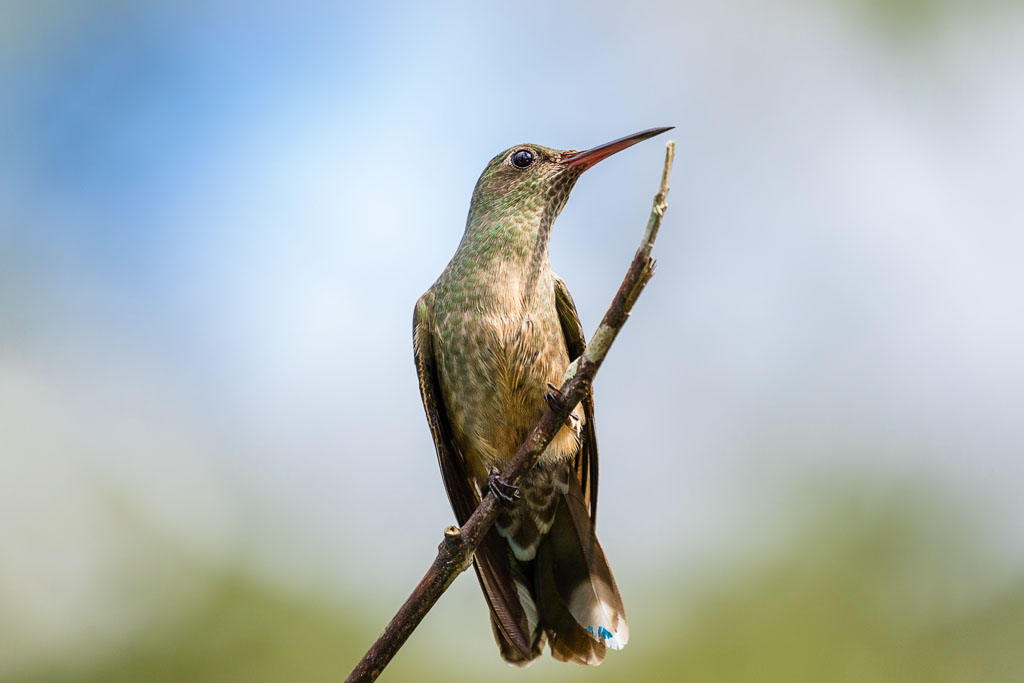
(595,154)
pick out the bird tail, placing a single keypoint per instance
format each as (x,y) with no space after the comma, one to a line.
(562,592)
(578,603)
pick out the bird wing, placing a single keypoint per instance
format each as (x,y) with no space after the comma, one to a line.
(586,458)
(491,560)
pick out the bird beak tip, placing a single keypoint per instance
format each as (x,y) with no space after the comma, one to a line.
(595,154)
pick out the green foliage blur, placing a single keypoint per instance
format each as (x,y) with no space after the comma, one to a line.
(895,588)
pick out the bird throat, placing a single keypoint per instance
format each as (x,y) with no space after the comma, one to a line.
(509,239)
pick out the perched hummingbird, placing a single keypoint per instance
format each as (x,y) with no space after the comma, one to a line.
(491,337)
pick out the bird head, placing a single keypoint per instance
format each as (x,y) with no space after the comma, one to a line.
(533,181)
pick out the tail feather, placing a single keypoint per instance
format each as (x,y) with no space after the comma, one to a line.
(563,593)
(510,652)
(569,641)
(582,576)
(496,571)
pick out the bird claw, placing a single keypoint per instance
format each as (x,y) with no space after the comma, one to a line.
(505,492)
(552,397)
(552,400)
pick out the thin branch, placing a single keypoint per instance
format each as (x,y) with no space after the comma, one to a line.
(455,553)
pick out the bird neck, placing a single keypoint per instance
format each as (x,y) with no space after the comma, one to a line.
(516,238)
(502,261)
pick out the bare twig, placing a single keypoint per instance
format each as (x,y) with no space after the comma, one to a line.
(455,553)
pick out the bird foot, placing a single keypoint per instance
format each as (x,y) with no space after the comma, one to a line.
(552,400)
(504,491)
(552,397)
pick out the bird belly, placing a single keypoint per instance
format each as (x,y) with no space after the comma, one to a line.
(497,395)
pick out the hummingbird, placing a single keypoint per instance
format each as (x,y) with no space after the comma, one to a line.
(493,337)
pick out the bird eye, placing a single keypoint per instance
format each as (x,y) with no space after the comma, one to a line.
(522,158)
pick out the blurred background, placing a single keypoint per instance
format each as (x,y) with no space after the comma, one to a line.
(215,219)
